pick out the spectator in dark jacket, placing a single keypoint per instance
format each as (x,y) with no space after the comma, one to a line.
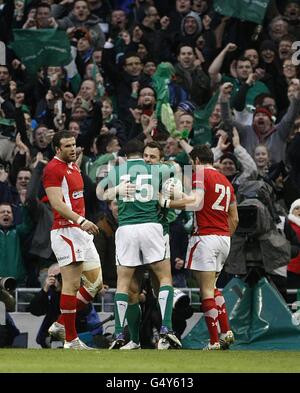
(191,77)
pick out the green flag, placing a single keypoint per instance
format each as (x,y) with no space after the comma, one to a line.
(250,10)
(42,47)
(161,79)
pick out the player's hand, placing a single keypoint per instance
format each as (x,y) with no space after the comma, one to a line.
(90,227)
(168,192)
(126,189)
(190,199)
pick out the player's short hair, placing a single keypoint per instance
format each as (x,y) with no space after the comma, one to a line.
(203,153)
(103,141)
(133,147)
(155,145)
(58,136)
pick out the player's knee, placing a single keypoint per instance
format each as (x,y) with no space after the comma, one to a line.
(133,296)
(93,287)
(166,280)
(207,293)
(71,287)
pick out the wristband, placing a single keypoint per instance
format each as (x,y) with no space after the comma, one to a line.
(80,220)
(167,203)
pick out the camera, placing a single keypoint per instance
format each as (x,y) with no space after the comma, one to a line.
(247,220)
(8,283)
(58,277)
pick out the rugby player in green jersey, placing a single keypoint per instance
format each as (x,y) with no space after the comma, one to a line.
(153,154)
(139,238)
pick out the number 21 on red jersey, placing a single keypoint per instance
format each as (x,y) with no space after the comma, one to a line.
(224,194)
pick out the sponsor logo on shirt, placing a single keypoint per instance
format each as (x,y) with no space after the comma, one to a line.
(62,258)
(77,194)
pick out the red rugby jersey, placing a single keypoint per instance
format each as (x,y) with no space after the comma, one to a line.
(212,219)
(67,176)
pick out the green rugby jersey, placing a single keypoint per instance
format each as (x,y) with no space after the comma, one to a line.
(143,207)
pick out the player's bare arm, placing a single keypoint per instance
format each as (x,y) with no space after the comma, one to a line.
(56,200)
(233,218)
(191,202)
(124,189)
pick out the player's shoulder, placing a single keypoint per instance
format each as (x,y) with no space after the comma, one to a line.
(216,177)
(54,167)
(54,164)
(212,173)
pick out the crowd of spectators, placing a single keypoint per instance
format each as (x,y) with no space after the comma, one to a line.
(231,84)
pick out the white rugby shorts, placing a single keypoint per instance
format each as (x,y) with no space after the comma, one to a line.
(167,245)
(140,244)
(207,253)
(72,244)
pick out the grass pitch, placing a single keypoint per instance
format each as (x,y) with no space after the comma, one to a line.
(150,361)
